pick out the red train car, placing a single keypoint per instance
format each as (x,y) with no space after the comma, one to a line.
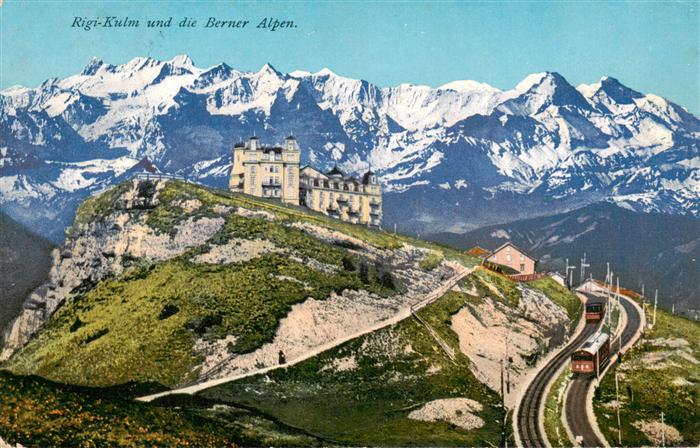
(595,311)
(592,356)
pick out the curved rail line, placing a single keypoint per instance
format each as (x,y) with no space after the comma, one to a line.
(528,420)
(576,398)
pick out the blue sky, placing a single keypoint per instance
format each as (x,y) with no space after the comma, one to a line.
(649,46)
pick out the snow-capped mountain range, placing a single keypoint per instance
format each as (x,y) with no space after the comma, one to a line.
(454,157)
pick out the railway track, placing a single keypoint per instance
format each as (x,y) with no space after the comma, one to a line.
(528,419)
(576,398)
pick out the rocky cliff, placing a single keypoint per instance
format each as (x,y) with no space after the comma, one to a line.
(104,247)
(196,282)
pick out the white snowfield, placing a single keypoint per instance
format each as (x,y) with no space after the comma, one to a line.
(358,329)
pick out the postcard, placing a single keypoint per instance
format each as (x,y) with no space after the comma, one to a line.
(349,223)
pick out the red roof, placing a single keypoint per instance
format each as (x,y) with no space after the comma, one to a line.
(478,252)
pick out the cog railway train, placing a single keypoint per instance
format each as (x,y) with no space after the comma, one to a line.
(594,311)
(592,356)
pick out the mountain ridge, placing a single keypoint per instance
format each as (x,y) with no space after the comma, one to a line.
(542,141)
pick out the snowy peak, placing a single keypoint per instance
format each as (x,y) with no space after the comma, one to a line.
(542,139)
(538,91)
(610,92)
(268,70)
(92,67)
(325,71)
(618,92)
(530,81)
(182,60)
(214,75)
(139,63)
(468,86)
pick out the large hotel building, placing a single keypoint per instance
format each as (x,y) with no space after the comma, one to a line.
(273,172)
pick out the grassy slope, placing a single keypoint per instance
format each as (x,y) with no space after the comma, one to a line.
(507,287)
(113,333)
(553,426)
(561,296)
(139,346)
(37,412)
(397,370)
(653,389)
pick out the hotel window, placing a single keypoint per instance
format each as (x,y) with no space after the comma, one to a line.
(522,267)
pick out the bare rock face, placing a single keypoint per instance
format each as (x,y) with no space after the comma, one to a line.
(457,411)
(95,250)
(313,324)
(491,332)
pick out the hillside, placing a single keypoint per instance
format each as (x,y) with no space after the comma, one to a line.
(661,374)
(462,155)
(399,386)
(25,259)
(658,250)
(175,278)
(61,415)
(164,283)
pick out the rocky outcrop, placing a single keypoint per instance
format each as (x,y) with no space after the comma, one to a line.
(132,228)
(491,332)
(316,323)
(457,411)
(99,249)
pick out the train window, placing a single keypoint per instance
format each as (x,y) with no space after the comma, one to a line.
(581,357)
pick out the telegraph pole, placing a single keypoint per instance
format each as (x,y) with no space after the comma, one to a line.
(617,399)
(663,430)
(656,299)
(507,367)
(583,268)
(503,395)
(609,304)
(569,274)
(644,311)
(619,337)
